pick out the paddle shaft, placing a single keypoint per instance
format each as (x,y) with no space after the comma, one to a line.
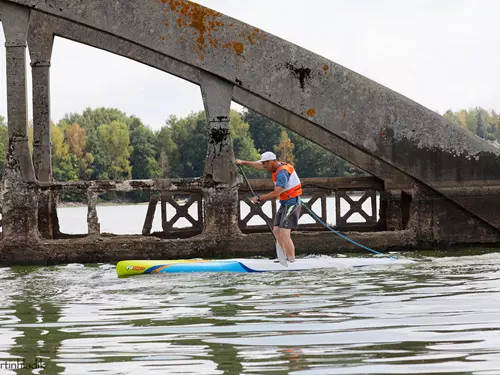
(258,203)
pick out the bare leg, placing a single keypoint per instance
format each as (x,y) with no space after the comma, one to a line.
(277,233)
(286,243)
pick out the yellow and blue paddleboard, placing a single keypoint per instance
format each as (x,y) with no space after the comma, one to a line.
(140,267)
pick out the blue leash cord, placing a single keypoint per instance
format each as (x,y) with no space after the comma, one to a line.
(341,235)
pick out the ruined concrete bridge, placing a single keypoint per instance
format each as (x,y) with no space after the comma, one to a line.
(441,183)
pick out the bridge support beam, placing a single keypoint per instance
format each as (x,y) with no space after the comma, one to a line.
(40,41)
(220,190)
(20,197)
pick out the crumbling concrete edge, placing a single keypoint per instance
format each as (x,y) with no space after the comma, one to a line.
(91,250)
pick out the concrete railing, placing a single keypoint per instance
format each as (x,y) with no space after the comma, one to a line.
(329,198)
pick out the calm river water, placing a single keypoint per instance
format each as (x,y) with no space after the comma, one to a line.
(441,316)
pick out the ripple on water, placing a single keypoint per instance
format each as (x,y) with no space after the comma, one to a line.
(441,316)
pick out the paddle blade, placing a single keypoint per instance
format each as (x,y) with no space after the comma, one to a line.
(281,255)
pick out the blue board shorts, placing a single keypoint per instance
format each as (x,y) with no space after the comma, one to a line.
(287,217)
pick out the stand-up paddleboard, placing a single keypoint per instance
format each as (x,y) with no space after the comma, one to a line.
(139,267)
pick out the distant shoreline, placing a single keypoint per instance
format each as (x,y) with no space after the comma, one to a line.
(112,203)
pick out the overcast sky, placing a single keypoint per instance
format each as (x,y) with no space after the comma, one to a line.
(441,53)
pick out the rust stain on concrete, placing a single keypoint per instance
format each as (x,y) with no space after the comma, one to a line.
(311,112)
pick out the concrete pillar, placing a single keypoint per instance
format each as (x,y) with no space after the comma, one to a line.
(20,199)
(396,209)
(40,41)
(94,228)
(220,191)
(391,209)
(148,223)
(163,206)
(55,229)
(423,218)
(45,215)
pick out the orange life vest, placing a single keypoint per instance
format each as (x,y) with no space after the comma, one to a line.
(293,187)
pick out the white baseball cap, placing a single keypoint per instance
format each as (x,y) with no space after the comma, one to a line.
(267,156)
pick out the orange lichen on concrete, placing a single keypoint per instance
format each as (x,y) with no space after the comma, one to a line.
(325,68)
(256,34)
(311,112)
(205,23)
(238,47)
(202,20)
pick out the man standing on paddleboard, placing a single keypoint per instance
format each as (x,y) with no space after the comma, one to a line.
(288,189)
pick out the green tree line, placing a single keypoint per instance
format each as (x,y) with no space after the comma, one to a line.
(107,144)
(483,123)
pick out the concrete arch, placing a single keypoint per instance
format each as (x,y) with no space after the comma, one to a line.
(54,26)
(366,114)
(316,97)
